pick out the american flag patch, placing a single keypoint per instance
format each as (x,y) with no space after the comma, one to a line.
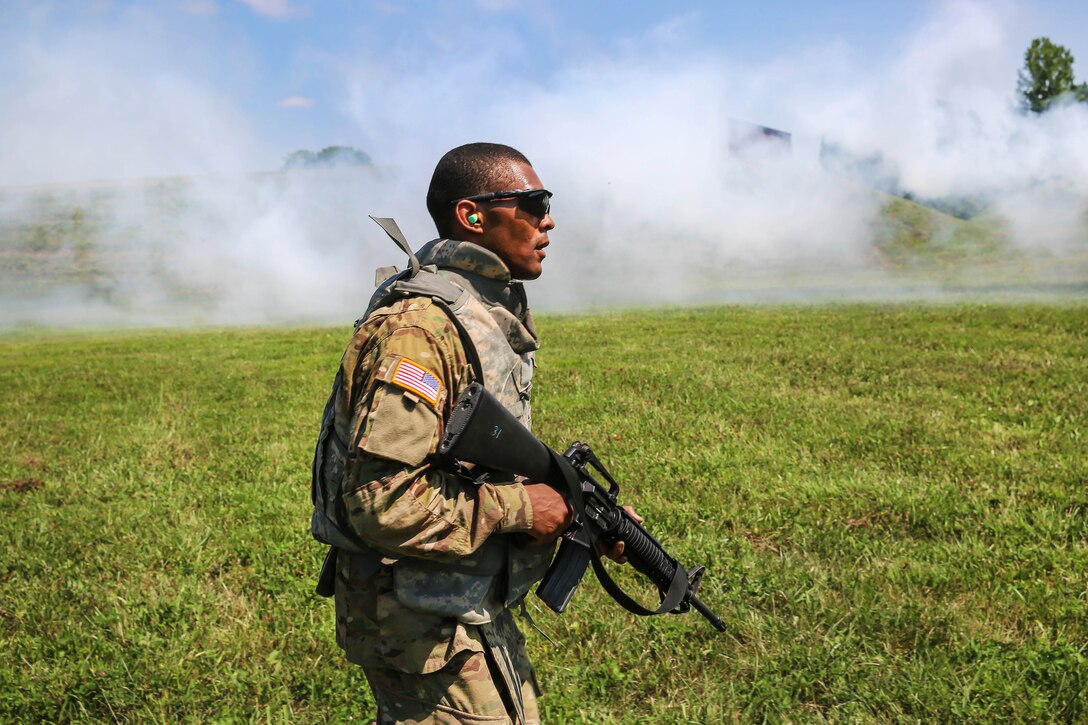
(418,379)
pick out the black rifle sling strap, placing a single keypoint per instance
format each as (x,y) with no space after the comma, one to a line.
(466,341)
(678,587)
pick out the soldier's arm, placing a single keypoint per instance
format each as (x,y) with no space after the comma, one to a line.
(394,499)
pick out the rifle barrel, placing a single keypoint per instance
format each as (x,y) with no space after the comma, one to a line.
(705,611)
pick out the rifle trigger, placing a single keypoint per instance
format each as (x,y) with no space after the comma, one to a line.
(695,577)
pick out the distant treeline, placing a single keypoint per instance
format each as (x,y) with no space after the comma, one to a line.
(327,157)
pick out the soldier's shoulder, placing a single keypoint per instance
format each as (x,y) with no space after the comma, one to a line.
(411,316)
(417,311)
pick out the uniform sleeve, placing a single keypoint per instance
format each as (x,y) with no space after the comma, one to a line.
(404,388)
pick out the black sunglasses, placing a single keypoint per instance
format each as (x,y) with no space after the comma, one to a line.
(537,202)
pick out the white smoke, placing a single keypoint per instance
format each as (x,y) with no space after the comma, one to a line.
(122,97)
(651,204)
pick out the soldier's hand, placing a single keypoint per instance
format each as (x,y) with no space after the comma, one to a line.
(551,513)
(616,552)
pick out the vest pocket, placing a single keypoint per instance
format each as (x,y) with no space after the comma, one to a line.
(443,593)
(526,567)
(523,376)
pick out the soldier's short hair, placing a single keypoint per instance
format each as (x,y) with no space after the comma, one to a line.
(466,171)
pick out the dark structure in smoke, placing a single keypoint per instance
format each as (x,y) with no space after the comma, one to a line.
(753,140)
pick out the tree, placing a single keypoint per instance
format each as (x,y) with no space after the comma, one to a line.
(300,159)
(326,158)
(1047,75)
(342,156)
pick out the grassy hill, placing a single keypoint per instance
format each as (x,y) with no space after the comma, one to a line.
(889,501)
(64,236)
(171,243)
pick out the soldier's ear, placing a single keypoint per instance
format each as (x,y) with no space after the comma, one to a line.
(468,219)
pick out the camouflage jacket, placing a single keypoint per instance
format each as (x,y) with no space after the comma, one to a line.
(445,536)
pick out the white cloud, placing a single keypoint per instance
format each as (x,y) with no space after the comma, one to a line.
(200,7)
(389,8)
(297,102)
(497,6)
(275,9)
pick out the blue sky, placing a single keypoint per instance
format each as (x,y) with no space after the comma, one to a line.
(272,76)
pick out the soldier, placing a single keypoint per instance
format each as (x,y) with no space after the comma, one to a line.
(429,564)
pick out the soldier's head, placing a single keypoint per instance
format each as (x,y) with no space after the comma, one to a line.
(490,195)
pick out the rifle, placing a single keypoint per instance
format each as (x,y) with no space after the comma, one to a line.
(482,432)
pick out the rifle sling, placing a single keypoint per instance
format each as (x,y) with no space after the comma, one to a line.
(672,599)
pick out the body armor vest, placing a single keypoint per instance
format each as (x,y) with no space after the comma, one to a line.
(499,573)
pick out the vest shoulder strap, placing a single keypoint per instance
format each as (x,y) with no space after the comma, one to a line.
(424,281)
(397,236)
(428,283)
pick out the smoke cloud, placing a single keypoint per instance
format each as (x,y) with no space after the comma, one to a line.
(652,204)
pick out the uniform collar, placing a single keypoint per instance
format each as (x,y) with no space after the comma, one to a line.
(487,278)
(465,256)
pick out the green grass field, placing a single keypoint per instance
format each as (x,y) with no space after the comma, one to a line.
(891,503)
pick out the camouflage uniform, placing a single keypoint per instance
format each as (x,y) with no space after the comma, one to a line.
(431,625)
